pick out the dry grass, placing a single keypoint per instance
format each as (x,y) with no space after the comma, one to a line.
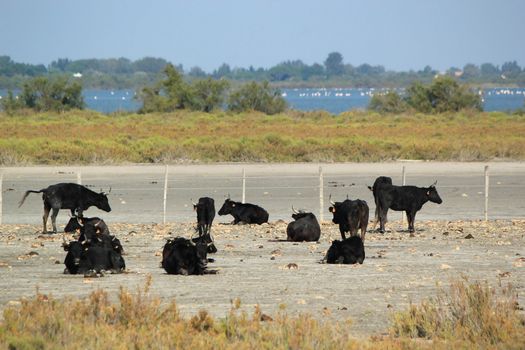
(469,316)
(89,137)
(469,313)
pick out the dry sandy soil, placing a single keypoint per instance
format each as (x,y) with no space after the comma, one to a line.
(253,265)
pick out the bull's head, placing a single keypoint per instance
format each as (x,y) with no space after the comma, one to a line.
(227,207)
(433,195)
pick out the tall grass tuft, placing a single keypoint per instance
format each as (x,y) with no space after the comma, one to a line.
(469,313)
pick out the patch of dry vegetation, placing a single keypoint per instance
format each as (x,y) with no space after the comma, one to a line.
(470,315)
(85,137)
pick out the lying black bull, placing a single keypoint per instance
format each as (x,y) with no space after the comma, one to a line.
(205,209)
(92,229)
(68,196)
(304,228)
(92,258)
(347,251)
(181,256)
(403,198)
(244,212)
(351,215)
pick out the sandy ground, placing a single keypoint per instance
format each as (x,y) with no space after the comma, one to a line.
(253,266)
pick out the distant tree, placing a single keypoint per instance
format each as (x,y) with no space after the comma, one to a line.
(489,70)
(149,65)
(315,70)
(510,70)
(197,72)
(471,71)
(258,97)
(367,69)
(223,71)
(334,64)
(391,102)
(61,64)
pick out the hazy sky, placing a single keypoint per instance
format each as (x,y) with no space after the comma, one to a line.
(400,35)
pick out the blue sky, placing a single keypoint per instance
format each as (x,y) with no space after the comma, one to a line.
(400,35)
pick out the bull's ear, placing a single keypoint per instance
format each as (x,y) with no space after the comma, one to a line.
(370,188)
(65,246)
(331,210)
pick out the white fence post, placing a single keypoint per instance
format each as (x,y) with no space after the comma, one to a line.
(403,179)
(243,185)
(79,178)
(165,194)
(486,192)
(321,209)
(1,195)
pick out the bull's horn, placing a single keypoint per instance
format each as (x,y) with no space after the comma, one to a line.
(79,220)
(330,199)
(434,184)
(228,196)
(109,189)
(294,211)
(347,196)
(64,242)
(192,202)
(98,223)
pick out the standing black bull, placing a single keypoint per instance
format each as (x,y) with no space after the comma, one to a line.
(181,256)
(403,198)
(381,180)
(304,228)
(347,251)
(351,215)
(244,212)
(205,209)
(68,196)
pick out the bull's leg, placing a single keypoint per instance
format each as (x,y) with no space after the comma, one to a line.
(342,232)
(411,216)
(54,219)
(47,209)
(363,230)
(382,220)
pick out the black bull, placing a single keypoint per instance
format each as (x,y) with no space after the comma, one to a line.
(402,198)
(305,228)
(351,215)
(68,196)
(244,212)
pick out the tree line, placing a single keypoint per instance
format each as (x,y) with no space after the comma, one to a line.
(333,71)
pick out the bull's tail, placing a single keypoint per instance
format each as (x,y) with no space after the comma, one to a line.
(27,194)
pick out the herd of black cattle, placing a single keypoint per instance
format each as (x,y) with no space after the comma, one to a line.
(97,251)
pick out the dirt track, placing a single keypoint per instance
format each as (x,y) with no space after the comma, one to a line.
(253,267)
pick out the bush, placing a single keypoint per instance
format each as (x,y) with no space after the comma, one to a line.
(470,312)
(443,95)
(391,102)
(42,94)
(257,97)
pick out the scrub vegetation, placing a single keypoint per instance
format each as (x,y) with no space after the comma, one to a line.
(87,137)
(470,315)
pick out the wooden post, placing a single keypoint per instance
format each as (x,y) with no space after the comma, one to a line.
(243,185)
(321,208)
(79,178)
(1,196)
(165,194)
(403,179)
(486,192)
